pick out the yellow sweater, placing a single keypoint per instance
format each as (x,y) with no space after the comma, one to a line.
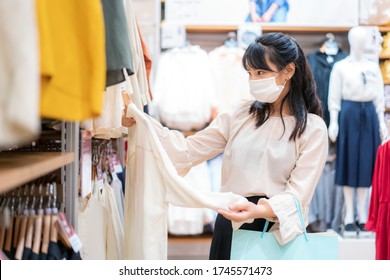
(73,64)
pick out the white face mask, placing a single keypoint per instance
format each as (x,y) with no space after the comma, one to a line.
(265,90)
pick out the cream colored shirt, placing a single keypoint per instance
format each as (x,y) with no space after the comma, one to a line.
(354,80)
(258,161)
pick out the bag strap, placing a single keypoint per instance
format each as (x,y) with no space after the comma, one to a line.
(297,205)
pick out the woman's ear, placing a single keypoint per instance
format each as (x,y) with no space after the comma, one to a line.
(289,70)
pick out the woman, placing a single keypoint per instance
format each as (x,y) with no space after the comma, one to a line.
(274,147)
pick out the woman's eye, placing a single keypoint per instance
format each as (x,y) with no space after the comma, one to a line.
(260,72)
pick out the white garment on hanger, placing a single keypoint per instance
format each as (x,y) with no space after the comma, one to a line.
(109,124)
(114,227)
(116,185)
(92,227)
(19,73)
(231,80)
(139,88)
(191,221)
(184,90)
(151,184)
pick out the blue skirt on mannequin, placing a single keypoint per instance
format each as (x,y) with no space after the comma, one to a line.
(357,143)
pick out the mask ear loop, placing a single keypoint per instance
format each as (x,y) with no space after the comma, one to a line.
(286,80)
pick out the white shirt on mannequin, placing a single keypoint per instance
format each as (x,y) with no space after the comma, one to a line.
(356,78)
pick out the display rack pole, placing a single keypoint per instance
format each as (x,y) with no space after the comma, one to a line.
(69,174)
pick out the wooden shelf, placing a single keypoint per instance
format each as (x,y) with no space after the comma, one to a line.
(19,168)
(384,56)
(265,28)
(384,28)
(274,28)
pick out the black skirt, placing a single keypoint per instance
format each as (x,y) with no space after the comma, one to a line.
(222,236)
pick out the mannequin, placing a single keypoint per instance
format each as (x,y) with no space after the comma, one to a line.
(356,107)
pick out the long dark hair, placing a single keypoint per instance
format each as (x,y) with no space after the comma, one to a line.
(302,97)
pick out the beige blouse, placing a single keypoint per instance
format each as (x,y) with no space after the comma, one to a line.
(258,161)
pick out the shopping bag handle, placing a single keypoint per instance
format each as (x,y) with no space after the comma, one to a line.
(298,206)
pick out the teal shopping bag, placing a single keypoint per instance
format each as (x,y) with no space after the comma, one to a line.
(255,245)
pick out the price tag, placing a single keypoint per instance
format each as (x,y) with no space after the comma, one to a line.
(100,184)
(117,164)
(69,232)
(99,172)
(114,176)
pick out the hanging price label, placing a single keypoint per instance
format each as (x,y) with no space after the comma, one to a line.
(117,164)
(69,232)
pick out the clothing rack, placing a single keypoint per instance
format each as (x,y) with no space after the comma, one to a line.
(28,228)
(21,165)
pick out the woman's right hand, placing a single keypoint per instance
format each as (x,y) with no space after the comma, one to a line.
(126,121)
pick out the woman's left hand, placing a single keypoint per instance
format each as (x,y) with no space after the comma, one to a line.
(241,212)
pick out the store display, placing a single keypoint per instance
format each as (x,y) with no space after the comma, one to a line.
(101,213)
(356,89)
(321,64)
(30,229)
(64,66)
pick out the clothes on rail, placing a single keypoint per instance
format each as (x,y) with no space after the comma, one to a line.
(118,53)
(184,93)
(230,79)
(19,73)
(379,210)
(29,229)
(72,56)
(99,224)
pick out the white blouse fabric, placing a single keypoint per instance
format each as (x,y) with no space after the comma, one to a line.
(19,73)
(109,124)
(151,184)
(138,86)
(258,161)
(354,80)
(91,227)
(191,221)
(114,229)
(116,185)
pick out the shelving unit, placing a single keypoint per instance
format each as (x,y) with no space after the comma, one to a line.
(266,28)
(19,168)
(384,56)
